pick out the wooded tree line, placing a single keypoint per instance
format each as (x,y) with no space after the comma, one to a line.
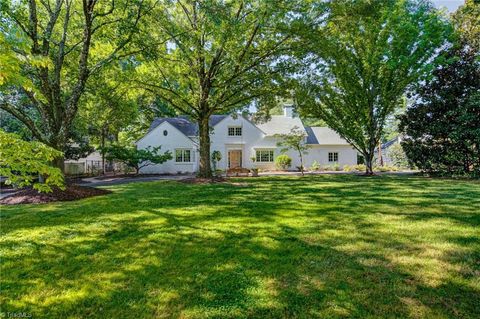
(96,72)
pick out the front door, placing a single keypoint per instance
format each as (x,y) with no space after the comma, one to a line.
(234,158)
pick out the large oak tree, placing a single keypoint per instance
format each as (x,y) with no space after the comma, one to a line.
(216,57)
(361,62)
(62,43)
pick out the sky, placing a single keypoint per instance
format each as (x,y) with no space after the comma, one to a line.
(451,5)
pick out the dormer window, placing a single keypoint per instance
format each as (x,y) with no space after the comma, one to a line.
(234,131)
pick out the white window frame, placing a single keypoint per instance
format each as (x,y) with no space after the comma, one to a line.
(258,155)
(182,156)
(236,130)
(333,155)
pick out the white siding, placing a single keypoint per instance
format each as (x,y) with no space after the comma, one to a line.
(174,139)
(252,139)
(251,135)
(347,155)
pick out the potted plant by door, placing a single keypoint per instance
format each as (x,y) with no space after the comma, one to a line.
(254,170)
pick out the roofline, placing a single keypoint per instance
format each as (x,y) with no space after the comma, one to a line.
(253,124)
(276,134)
(221,119)
(148,133)
(165,121)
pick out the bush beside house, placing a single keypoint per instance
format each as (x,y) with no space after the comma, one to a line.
(283,162)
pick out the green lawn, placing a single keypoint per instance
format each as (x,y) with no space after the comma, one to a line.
(283,247)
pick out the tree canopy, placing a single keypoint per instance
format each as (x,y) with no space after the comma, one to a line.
(442,128)
(361,62)
(467,22)
(208,57)
(74,72)
(55,47)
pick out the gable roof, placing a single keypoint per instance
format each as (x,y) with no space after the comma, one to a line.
(279,124)
(183,124)
(390,143)
(323,136)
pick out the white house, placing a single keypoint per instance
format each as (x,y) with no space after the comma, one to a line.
(242,143)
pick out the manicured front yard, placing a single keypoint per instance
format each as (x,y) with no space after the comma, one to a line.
(283,247)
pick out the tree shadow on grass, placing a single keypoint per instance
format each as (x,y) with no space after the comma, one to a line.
(231,275)
(229,252)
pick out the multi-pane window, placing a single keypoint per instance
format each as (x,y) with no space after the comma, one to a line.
(235,131)
(333,157)
(183,155)
(265,156)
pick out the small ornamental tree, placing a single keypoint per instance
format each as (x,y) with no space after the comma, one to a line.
(137,158)
(295,140)
(23,162)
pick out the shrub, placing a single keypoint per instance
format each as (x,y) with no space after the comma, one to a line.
(283,161)
(336,167)
(315,166)
(348,168)
(386,168)
(326,168)
(360,167)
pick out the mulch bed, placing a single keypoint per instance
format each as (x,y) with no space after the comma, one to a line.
(72,192)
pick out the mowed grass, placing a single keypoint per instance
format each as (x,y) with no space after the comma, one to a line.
(280,247)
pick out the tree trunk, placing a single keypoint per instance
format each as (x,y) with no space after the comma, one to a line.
(380,157)
(301,163)
(368,163)
(205,170)
(103,151)
(58,144)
